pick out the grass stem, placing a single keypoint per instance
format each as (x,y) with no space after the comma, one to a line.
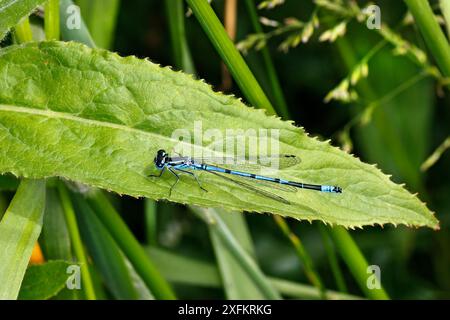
(75,237)
(432,33)
(159,287)
(230,55)
(23,31)
(51,26)
(356,263)
(278,96)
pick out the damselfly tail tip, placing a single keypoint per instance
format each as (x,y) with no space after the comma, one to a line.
(332,189)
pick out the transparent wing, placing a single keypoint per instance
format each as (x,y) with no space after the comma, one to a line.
(252,188)
(280,162)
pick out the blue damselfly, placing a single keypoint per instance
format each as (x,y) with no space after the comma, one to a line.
(188,165)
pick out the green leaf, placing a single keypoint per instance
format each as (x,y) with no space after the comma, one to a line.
(204,274)
(44,281)
(143,292)
(101,19)
(195,272)
(19,230)
(105,118)
(105,253)
(236,280)
(237,267)
(55,238)
(72,25)
(12,11)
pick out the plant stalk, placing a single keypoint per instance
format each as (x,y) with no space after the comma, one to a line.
(130,246)
(230,55)
(51,12)
(75,237)
(23,31)
(432,33)
(357,263)
(278,96)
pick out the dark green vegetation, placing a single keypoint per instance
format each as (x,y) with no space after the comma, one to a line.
(97,119)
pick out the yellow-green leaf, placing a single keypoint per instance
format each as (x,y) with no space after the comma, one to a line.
(97,118)
(19,230)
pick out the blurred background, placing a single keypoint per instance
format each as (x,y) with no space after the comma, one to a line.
(408,119)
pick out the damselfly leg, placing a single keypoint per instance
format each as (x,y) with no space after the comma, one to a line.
(157,175)
(194,175)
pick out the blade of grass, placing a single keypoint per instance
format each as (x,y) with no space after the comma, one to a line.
(431,32)
(151,220)
(233,59)
(195,272)
(143,293)
(445,9)
(73,27)
(356,262)
(310,270)
(237,282)
(55,238)
(180,52)
(23,31)
(297,290)
(332,258)
(104,251)
(19,231)
(205,274)
(278,96)
(75,237)
(101,19)
(51,8)
(220,230)
(130,246)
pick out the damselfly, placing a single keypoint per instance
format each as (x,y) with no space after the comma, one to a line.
(188,165)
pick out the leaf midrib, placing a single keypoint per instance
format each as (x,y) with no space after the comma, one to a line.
(67,116)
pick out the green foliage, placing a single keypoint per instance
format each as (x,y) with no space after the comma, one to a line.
(237,280)
(13,11)
(100,17)
(89,123)
(126,241)
(97,119)
(19,230)
(104,252)
(55,238)
(204,274)
(44,281)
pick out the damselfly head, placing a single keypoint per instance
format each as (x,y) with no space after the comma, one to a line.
(160,159)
